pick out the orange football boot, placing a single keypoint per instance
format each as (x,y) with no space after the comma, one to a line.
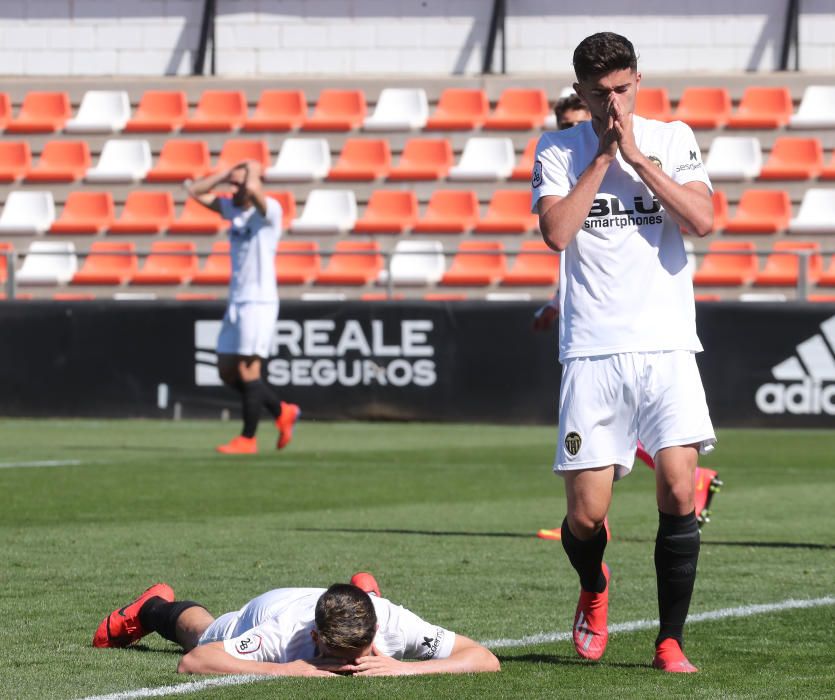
(122,627)
(670,658)
(367,582)
(239,446)
(556,533)
(286,422)
(591,631)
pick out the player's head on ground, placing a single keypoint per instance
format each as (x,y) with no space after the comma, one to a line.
(606,66)
(346,622)
(570,111)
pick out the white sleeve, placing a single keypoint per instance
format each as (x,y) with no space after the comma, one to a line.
(686,158)
(274,212)
(261,643)
(423,640)
(550,172)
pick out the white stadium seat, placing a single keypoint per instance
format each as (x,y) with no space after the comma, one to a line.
(48,263)
(734,158)
(101,111)
(817,212)
(485,158)
(300,160)
(27,213)
(399,109)
(327,211)
(816,110)
(417,263)
(122,160)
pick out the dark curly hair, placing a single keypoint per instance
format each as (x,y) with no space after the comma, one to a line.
(603,53)
(345,617)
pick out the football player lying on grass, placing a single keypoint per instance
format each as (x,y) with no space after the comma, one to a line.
(348,629)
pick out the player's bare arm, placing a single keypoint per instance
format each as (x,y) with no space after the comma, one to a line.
(213,659)
(201,189)
(467,656)
(253,186)
(689,204)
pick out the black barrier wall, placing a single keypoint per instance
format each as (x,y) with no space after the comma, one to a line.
(764,365)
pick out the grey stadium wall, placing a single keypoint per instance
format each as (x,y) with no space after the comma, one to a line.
(764,364)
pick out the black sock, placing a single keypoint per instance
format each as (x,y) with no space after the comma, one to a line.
(586,556)
(157,615)
(676,556)
(268,399)
(251,404)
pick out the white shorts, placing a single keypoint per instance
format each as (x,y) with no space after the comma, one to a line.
(248,329)
(609,402)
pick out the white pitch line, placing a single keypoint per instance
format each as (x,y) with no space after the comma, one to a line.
(634,626)
(43,463)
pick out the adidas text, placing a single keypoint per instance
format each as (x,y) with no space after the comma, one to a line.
(803,398)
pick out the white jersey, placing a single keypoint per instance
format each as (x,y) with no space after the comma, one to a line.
(276,627)
(253,240)
(624,281)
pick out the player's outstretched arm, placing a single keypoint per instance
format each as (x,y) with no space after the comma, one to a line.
(253,186)
(467,656)
(201,189)
(213,659)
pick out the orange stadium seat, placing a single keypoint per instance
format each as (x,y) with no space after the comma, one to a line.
(236,150)
(704,107)
(449,211)
(509,211)
(218,110)
(337,110)
(297,262)
(459,109)
(722,270)
(347,267)
(196,219)
(535,265)
(15,160)
(362,159)
(180,160)
(85,212)
(444,296)
(653,103)
(423,159)
(288,206)
(195,296)
(5,110)
(145,212)
(524,168)
(476,264)
(73,296)
(61,161)
(828,170)
(720,210)
(278,110)
(519,109)
(170,262)
(5,247)
(761,211)
(762,108)
(218,266)
(827,278)
(102,266)
(389,211)
(782,268)
(159,110)
(41,112)
(793,158)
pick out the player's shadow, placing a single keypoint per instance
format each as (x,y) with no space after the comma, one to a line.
(145,649)
(745,543)
(425,533)
(562,660)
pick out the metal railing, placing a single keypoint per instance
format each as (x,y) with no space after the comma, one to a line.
(11,284)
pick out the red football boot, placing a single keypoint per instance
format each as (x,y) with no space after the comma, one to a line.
(285,422)
(367,582)
(122,627)
(591,632)
(670,658)
(708,484)
(239,446)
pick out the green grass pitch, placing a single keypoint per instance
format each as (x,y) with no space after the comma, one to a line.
(444,515)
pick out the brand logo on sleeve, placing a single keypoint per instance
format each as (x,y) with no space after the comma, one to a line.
(536,178)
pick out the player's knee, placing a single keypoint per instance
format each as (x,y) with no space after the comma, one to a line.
(676,498)
(584,526)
